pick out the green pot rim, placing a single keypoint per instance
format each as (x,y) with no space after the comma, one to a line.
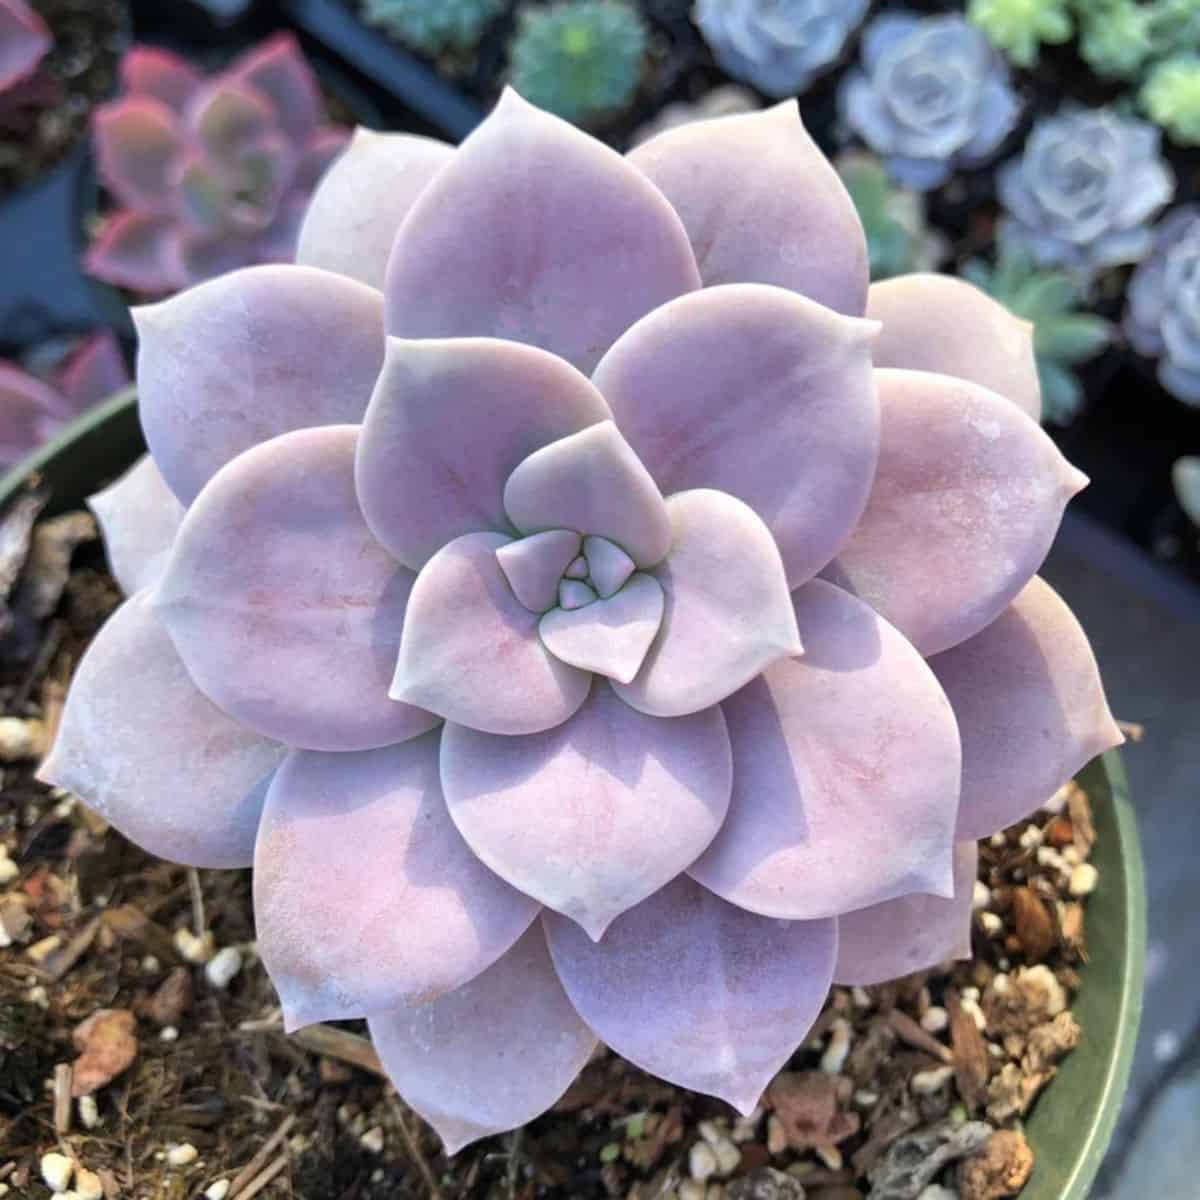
(1072,1123)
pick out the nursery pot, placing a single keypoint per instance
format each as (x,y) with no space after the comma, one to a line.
(1072,1121)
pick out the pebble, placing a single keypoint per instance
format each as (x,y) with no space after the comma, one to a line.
(191,948)
(837,1048)
(934,1019)
(1031,836)
(217,1191)
(1071,856)
(861,997)
(223,966)
(1058,801)
(925,1083)
(88,1185)
(168,1033)
(865,1098)
(998,840)
(57,1170)
(1042,977)
(372,1140)
(689,1189)
(702,1162)
(993,926)
(89,1112)
(1083,880)
(970,1005)
(182,1155)
(935,1191)
(3,1189)
(8,869)
(982,897)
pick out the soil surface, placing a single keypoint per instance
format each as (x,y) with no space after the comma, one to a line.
(140,1036)
(43,116)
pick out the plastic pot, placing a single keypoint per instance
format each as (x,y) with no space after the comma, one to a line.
(1073,1120)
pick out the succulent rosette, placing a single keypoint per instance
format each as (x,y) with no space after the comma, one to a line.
(593,612)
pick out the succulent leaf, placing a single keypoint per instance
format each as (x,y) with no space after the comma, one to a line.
(1019,27)
(24,41)
(448,25)
(1171,97)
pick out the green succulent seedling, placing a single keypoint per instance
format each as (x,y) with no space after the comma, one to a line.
(433,26)
(1171,97)
(1118,39)
(1019,27)
(579,59)
(898,239)
(1063,336)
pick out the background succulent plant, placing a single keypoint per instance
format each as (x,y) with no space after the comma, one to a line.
(35,405)
(898,238)
(1064,335)
(24,40)
(1185,476)
(496,607)
(1020,27)
(932,95)
(724,101)
(1084,190)
(1117,37)
(209,173)
(779,46)
(1162,318)
(579,59)
(1171,97)
(433,27)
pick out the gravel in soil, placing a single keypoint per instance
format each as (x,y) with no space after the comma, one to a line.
(142,1054)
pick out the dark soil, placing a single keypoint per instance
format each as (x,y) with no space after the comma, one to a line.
(43,116)
(191,1071)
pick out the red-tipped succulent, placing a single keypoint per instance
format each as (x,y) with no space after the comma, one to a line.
(209,173)
(593,611)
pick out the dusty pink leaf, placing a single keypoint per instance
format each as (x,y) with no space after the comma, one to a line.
(967,499)
(471,651)
(536,233)
(285,609)
(761,393)
(29,411)
(762,204)
(727,615)
(134,250)
(491,1055)
(24,41)
(1027,694)
(224,116)
(534,565)
(160,75)
(248,356)
(137,139)
(702,994)
(277,69)
(352,221)
(611,805)
(593,482)
(846,769)
(447,424)
(912,933)
(140,745)
(939,323)
(366,898)
(94,371)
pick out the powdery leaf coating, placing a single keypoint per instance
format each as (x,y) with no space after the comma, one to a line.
(593,482)
(939,323)
(536,233)
(152,755)
(762,204)
(846,772)
(734,388)
(512,1026)
(24,41)
(612,804)
(911,933)
(967,499)
(251,355)
(1030,706)
(275,589)
(728,614)
(360,203)
(449,422)
(696,991)
(139,517)
(366,898)
(471,651)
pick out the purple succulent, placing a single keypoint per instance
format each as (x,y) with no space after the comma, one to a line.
(1085,189)
(933,95)
(1162,319)
(33,409)
(212,173)
(24,41)
(576,631)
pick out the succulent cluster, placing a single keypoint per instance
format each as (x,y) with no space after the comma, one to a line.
(898,238)
(210,173)
(1119,38)
(628,613)
(1020,27)
(454,25)
(1171,97)
(779,46)
(932,95)
(579,59)
(24,41)
(35,405)
(1085,189)
(1162,319)
(1063,335)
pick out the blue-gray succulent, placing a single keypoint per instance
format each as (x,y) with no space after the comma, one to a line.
(1084,191)
(779,46)
(1162,319)
(933,94)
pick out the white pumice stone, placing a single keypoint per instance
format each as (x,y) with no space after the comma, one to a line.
(223,966)
(1083,880)
(702,1162)
(182,1155)
(88,1185)
(57,1170)
(982,896)
(217,1191)
(89,1112)
(934,1019)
